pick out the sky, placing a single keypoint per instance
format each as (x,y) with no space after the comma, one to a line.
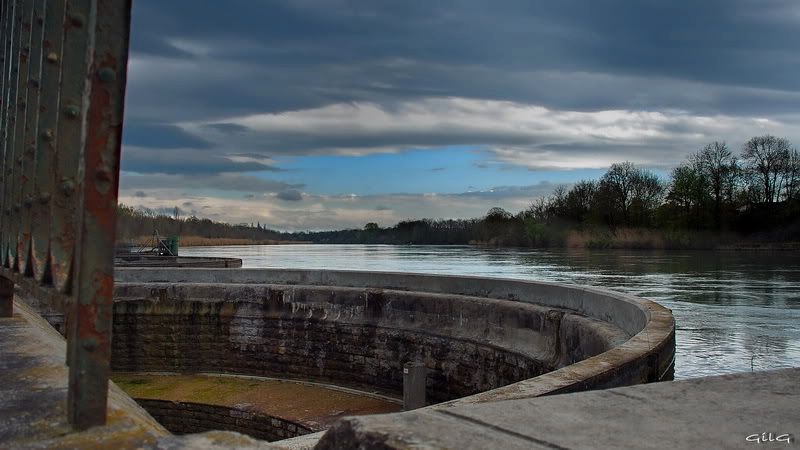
(328,114)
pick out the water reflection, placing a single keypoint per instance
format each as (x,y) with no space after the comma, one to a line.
(735,311)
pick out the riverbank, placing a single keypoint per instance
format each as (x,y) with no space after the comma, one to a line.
(551,238)
(201,241)
(643,239)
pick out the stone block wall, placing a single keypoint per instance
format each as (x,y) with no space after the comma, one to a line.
(346,336)
(188,417)
(361,356)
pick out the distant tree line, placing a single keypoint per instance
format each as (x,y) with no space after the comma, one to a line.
(714,191)
(141,222)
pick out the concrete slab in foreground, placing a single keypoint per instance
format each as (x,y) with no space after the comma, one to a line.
(729,411)
(33,393)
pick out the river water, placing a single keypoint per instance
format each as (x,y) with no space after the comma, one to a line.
(735,311)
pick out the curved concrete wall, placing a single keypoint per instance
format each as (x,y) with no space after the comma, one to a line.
(188,417)
(358,328)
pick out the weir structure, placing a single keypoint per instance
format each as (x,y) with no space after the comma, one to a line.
(436,341)
(477,351)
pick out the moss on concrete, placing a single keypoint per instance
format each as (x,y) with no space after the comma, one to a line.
(309,404)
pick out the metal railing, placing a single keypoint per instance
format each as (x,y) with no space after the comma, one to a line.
(62,91)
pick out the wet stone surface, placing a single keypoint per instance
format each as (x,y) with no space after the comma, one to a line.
(307,406)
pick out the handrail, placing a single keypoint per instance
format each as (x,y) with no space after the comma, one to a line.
(62,92)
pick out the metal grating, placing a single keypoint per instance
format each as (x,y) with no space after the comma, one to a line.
(62,91)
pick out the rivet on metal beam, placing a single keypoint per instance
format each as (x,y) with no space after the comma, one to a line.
(34,82)
(28,202)
(47,135)
(19,161)
(44,198)
(71,111)
(107,75)
(90,345)
(67,187)
(52,58)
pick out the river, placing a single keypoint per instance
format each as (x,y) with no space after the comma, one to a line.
(735,311)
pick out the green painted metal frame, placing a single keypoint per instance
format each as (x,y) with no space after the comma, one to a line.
(62,92)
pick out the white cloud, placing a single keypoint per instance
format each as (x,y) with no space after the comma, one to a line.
(527,135)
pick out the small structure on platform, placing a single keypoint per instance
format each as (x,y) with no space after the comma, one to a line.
(157,245)
(162,251)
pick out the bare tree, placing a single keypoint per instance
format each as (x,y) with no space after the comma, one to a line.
(792,174)
(717,165)
(632,191)
(619,181)
(767,157)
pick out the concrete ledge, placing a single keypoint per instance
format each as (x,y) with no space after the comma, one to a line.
(134,260)
(33,393)
(714,412)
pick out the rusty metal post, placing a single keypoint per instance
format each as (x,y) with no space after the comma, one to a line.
(30,137)
(63,70)
(3,55)
(46,147)
(5,65)
(11,169)
(25,35)
(74,102)
(76,53)
(94,284)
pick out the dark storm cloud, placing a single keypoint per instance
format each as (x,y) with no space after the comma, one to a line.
(160,136)
(317,52)
(209,62)
(187,160)
(291,195)
(222,182)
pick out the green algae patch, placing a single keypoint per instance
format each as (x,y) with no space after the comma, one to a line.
(299,402)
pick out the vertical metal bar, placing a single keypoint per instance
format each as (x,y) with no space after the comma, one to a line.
(6,285)
(31,137)
(76,58)
(6,300)
(74,102)
(94,287)
(49,112)
(19,131)
(7,24)
(4,32)
(10,127)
